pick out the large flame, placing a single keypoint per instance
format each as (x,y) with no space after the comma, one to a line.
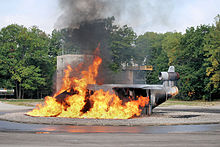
(81,104)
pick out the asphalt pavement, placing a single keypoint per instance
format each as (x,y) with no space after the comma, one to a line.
(23,134)
(201,139)
(8,107)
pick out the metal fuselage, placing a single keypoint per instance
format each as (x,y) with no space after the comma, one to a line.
(157,93)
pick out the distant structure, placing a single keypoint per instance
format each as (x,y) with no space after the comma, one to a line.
(130,75)
(63,61)
(137,74)
(6,93)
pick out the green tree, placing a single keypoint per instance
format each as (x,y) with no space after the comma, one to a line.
(25,59)
(122,46)
(85,38)
(189,63)
(147,46)
(212,52)
(149,52)
(170,45)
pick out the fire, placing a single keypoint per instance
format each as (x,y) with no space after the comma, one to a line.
(80,103)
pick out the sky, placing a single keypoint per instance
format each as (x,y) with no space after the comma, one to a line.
(172,15)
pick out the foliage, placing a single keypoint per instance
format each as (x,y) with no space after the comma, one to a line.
(84,38)
(28,55)
(212,52)
(122,46)
(189,62)
(149,52)
(25,59)
(170,45)
(195,55)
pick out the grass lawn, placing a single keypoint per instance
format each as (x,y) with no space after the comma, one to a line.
(22,102)
(190,103)
(170,102)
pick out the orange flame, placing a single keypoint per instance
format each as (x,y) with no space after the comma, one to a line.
(101,104)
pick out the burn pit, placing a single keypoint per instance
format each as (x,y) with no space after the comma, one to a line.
(75,100)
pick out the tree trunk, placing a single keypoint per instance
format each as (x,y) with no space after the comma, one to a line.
(37,94)
(40,94)
(16,90)
(19,91)
(22,93)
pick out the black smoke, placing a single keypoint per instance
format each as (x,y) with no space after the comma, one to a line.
(134,13)
(86,23)
(74,12)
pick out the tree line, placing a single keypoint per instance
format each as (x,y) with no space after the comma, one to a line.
(27,60)
(28,55)
(195,54)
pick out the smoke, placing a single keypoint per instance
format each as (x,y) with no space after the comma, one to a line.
(86,23)
(74,12)
(139,14)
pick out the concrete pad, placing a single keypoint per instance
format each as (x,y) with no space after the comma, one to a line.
(170,115)
(161,116)
(9,107)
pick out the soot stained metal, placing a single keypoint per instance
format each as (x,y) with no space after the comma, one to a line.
(157,93)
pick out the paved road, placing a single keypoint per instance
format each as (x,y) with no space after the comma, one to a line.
(201,139)
(8,107)
(18,134)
